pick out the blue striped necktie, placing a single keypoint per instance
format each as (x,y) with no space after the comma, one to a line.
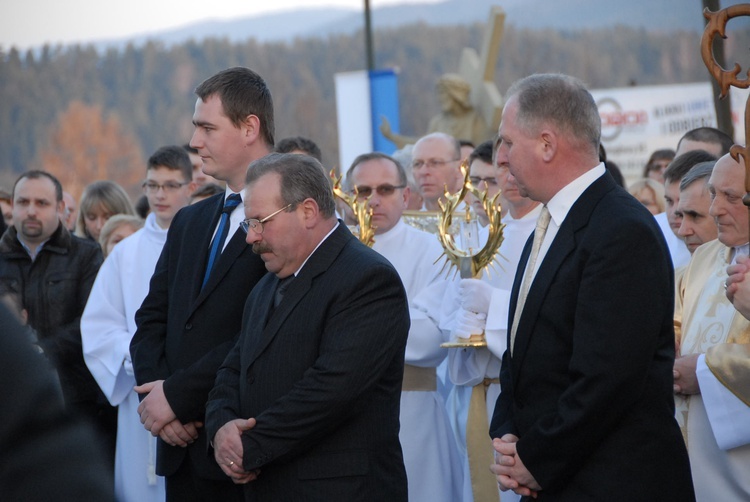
(217,244)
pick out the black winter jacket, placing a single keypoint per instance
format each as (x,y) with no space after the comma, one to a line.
(54,289)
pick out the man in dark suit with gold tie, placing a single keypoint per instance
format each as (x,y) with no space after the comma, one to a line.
(306,405)
(192,314)
(586,410)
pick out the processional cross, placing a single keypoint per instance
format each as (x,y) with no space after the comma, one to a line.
(479,70)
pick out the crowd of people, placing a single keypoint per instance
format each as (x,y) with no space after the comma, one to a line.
(227,337)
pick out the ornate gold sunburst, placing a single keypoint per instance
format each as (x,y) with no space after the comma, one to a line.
(360,208)
(467,263)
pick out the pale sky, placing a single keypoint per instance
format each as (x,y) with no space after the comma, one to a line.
(30,23)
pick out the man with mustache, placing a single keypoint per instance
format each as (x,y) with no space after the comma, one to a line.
(305,406)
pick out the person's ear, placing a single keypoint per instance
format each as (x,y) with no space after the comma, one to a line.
(251,129)
(310,211)
(548,145)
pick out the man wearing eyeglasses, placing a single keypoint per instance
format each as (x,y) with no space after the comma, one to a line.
(482,176)
(305,405)
(192,314)
(108,322)
(432,461)
(435,161)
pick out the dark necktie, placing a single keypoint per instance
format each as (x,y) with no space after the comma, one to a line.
(281,289)
(217,244)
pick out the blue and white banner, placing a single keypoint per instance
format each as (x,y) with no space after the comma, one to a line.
(362,98)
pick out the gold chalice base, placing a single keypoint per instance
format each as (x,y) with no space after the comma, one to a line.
(460,342)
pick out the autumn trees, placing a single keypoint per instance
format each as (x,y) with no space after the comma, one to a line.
(86,144)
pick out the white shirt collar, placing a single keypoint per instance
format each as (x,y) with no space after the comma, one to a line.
(560,204)
(391,233)
(316,247)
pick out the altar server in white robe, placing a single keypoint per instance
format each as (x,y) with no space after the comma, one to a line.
(108,322)
(473,305)
(711,326)
(433,466)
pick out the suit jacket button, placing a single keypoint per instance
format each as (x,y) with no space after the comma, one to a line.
(189,326)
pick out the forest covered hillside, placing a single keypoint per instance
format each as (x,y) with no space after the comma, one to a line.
(73,103)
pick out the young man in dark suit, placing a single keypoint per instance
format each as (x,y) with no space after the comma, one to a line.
(306,405)
(586,410)
(192,314)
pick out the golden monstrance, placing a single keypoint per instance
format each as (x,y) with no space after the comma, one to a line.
(466,256)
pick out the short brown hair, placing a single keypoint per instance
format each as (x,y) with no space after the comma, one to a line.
(242,92)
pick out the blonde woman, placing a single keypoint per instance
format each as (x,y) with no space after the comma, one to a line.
(100,201)
(649,193)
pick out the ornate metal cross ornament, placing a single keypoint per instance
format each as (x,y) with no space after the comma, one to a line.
(717,24)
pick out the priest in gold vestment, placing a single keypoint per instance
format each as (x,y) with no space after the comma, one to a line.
(709,326)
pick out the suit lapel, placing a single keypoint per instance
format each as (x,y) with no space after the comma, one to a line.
(560,249)
(516,289)
(319,262)
(205,226)
(232,251)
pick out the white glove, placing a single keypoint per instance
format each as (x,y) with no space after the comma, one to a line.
(468,323)
(475,295)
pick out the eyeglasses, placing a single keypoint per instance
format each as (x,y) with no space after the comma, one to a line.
(430,164)
(363,191)
(257,224)
(168,187)
(476,180)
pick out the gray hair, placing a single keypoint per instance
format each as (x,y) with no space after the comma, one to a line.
(302,177)
(699,171)
(115,222)
(403,156)
(561,100)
